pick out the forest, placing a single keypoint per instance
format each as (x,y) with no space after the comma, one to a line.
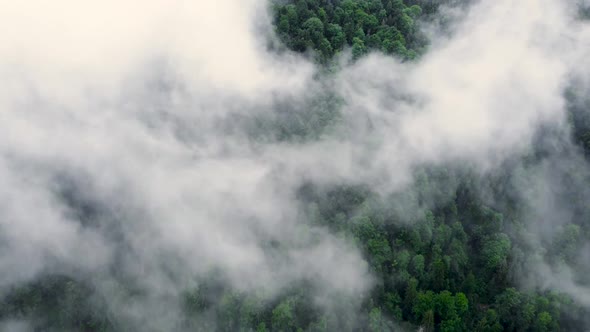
(453,251)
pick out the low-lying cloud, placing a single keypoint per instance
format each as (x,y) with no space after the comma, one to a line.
(122,146)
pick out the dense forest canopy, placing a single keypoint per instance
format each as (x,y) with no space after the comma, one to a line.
(193,207)
(327,27)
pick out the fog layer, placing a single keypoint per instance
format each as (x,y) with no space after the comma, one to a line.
(127,155)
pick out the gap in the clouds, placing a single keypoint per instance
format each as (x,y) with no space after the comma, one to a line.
(328,27)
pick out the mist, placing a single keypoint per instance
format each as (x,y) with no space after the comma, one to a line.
(139,154)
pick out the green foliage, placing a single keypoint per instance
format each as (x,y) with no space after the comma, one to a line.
(444,269)
(543,322)
(375,320)
(490,322)
(283,317)
(449,268)
(57,303)
(358,47)
(327,27)
(495,251)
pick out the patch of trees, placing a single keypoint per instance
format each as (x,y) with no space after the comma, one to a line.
(327,27)
(56,303)
(452,268)
(447,268)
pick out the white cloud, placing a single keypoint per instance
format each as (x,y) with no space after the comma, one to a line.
(79,104)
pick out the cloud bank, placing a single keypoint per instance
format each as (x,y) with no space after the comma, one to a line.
(123,155)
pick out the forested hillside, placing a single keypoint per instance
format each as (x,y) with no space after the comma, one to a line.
(327,27)
(458,248)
